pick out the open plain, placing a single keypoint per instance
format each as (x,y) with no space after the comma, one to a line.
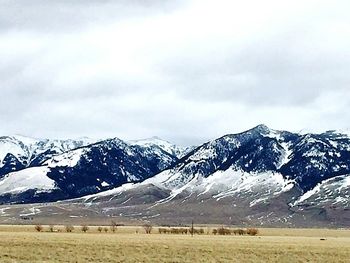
(131,244)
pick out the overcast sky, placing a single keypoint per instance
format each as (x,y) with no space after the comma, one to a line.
(186,71)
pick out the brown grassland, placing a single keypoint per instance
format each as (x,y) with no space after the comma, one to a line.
(130,244)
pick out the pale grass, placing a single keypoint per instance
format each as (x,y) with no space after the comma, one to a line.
(130,244)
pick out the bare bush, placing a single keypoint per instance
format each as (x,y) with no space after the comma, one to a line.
(162,230)
(84,228)
(174,231)
(51,228)
(99,229)
(236,232)
(147,228)
(69,228)
(182,231)
(113,226)
(223,231)
(252,231)
(196,231)
(105,229)
(242,232)
(39,228)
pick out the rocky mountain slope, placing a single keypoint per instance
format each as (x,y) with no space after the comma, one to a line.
(84,170)
(19,152)
(261,176)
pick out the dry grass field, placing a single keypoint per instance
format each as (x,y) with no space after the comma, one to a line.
(130,244)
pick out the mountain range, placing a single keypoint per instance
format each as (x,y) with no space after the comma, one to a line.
(261,176)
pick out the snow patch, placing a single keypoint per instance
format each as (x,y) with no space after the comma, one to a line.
(331,190)
(111,192)
(68,159)
(30,178)
(104,184)
(162,144)
(31,211)
(285,157)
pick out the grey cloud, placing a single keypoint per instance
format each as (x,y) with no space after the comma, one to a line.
(276,73)
(136,69)
(58,16)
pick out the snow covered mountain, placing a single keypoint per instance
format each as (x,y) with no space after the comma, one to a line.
(19,152)
(260,176)
(156,142)
(85,170)
(306,160)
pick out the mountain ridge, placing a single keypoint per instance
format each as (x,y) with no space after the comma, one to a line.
(257,172)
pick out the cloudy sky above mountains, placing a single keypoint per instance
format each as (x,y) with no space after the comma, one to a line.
(187,71)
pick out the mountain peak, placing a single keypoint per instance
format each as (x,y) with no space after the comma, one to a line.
(152,140)
(261,128)
(165,145)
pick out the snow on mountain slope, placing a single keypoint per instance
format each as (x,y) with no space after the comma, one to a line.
(30,147)
(334,191)
(247,169)
(11,145)
(317,157)
(251,152)
(67,159)
(105,165)
(162,144)
(31,178)
(255,166)
(230,183)
(45,149)
(97,167)
(19,152)
(109,193)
